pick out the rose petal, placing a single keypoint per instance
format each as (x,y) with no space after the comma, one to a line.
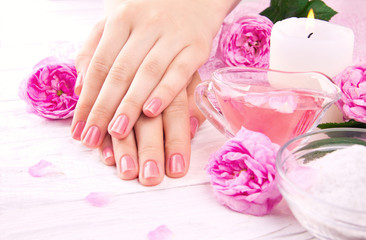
(302,176)
(283,104)
(43,168)
(98,199)
(160,233)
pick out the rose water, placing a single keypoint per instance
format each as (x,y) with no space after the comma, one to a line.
(281,116)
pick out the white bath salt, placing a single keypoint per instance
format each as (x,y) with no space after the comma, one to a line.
(341,177)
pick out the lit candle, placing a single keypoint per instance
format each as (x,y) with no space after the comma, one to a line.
(308,44)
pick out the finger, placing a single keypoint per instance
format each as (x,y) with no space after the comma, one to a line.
(177,136)
(106,151)
(116,84)
(82,62)
(86,53)
(126,157)
(148,75)
(150,142)
(196,116)
(97,71)
(175,79)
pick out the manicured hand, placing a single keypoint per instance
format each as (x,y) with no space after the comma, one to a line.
(156,146)
(138,59)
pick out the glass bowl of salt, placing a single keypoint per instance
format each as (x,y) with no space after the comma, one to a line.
(322,176)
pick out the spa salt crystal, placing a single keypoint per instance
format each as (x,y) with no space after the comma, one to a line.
(341,177)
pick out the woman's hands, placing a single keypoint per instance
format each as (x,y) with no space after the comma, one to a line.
(138,60)
(134,71)
(157,146)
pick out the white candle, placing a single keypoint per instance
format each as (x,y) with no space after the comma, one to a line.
(323,47)
(302,44)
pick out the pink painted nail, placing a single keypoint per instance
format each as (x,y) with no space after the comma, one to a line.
(127,164)
(153,106)
(151,169)
(193,121)
(119,126)
(78,129)
(108,155)
(91,138)
(176,163)
(78,84)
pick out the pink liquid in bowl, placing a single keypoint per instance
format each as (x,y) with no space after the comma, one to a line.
(280,116)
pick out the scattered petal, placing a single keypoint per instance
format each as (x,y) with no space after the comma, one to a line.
(98,199)
(44,168)
(302,176)
(160,233)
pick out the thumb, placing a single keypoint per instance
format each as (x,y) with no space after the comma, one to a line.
(86,53)
(196,117)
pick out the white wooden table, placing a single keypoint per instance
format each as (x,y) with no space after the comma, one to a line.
(54,207)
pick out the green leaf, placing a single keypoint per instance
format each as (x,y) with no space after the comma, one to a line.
(321,10)
(333,141)
(282,9)
(351,123)
(324,146)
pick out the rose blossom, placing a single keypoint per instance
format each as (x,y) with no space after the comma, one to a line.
(352,82)
(242,173)
(245,42)
(49,90)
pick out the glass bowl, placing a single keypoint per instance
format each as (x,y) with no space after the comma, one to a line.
(311,185)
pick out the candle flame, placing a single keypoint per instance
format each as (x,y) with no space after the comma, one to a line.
(311,14)
(310,21)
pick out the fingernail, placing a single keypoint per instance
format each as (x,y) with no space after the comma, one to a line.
(153,106)
(91,138)
(78,84)
(127,164)
(79,79)
(119,126)
(108,155)
(151,169)
(193,121)
(176,163)
(79,127)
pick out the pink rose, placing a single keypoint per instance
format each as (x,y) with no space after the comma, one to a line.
(49,90)
(352,82)
(245,42)
(242,173)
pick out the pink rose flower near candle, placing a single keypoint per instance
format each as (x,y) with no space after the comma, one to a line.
(242,173)
(352,82)
(49,90)
(245,42)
